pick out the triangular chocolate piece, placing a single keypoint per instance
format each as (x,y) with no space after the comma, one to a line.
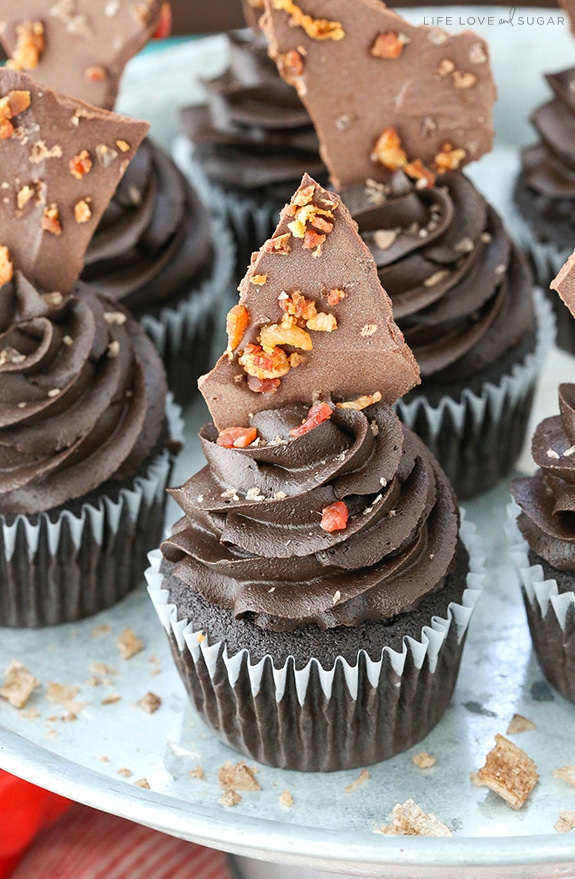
(60,163)
(313,322)
(78,47)
(383,94)
(564,283)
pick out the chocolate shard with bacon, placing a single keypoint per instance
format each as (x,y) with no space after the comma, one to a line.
(313,321)
(78,47)
(61,163)
(564,283)
(383,94)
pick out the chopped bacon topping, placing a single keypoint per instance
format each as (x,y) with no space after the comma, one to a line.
(318,413)
(236,437)
(334,517)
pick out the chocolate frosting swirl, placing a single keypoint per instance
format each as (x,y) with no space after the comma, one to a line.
(251,539)
(153,241)
(254,132)
(82,400)
(458,284)
(549,166)
(547,500)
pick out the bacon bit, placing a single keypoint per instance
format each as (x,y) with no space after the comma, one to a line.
(29,46)
(317,414)
(236,437)
(80,164)
(256,362)
(290,65)
(388,45)
(312,239)
(298,306)
(6,266)
(279,244)
(448,159)
(335,296)
(263,386)
(237,321)
(315,28)
(95,73)
(419,172)
(164,26)
(388,151)
(15,102)
(51,222)
(334,517)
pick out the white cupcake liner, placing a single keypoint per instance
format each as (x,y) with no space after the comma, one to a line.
(427,666)
(63,567)
(478,438)
(550,613)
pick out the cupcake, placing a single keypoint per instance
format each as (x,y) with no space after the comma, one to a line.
(317,591)
(461,290)
(253,139)
(542,532)
(156,249)
(544,193)
(85,430)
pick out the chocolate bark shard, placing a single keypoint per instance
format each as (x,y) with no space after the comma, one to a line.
(313,321)
(61,161)
(564,283)
(367,72)
(77,46)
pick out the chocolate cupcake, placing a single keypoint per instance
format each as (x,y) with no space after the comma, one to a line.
(545,193)
(156,249)
(461,290)
(253,139)
(84,421)
(542,533)
(317,591)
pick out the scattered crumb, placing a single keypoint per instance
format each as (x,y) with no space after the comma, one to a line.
(410,820)
(129,644)
(474,779)
(509,772)
(30,713)
(566,773)
(19,684)
(143,782)
(110,700)
(125,773)
(102,668)
(103,758)
(154,661)
(230,798)
(197,772)
(286,799)
(565,822)
(100,630)
(51,734)
(237,776)
(519,724)
(61,693)
(424,760)
(363,776)
(149,703)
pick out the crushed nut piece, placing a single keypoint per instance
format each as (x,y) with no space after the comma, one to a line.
(477,54)
(23,196)
(6,266)
(279,244)
(238,776)
(258,280)
(54,392)
(315,28)
(424,760)
(449,158)
(509,772)
(335,296)
(519,724)
(15,102)
(262,365)
(388,151)
(18,685)
(40,152)
(105,155)
(384,238)
(361,779)
(445,67)
(463,80)
(368,330)
(410,820)
(51,221)
(361,402)
(115,318)
(285,333)
(82,211)
(80,164)
(290,65)
(149,703)
(322,323)
(434,279)
(30,45)
(129,644)
(113,348)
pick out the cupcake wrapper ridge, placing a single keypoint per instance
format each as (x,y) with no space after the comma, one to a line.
(478,438)
(62,569)
(323,720)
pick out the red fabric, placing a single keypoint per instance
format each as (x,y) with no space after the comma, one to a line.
(86,844)
(26,809)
